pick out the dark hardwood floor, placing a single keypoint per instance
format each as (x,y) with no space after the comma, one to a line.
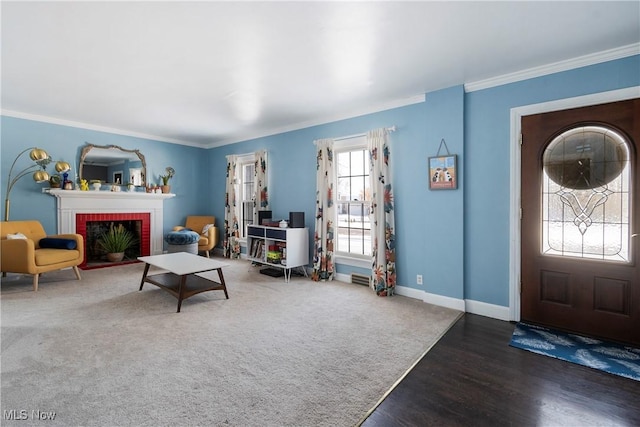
(472,377)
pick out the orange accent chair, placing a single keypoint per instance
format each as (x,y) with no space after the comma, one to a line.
(25,256)
(205,227)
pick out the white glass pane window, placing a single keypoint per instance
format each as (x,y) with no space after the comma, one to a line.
(353,202)
(246,184)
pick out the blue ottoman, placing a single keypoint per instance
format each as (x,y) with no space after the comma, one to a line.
(182,241)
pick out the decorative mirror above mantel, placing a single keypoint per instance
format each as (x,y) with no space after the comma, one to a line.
(112,164)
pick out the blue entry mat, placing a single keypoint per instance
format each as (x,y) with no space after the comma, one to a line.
(610,357)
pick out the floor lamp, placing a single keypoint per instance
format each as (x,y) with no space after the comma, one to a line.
(41,158)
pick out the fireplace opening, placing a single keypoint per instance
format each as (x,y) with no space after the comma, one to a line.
(93,226)
(96,254)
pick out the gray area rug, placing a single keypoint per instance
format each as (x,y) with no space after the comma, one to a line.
(99,352)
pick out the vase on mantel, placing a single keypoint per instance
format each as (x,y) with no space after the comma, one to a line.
(166,189)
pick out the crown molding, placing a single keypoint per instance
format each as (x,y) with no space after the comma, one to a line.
(89,126)
(556,67)
(245,137)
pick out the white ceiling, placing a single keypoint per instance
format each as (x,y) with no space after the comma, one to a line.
(210,73)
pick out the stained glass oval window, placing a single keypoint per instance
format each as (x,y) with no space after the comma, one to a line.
(586,195)
(586,157)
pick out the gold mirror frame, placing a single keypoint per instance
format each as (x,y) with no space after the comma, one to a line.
(109,150)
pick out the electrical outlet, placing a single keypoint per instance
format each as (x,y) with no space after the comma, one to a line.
(419,279)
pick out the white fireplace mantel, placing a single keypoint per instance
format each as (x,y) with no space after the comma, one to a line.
(72,202)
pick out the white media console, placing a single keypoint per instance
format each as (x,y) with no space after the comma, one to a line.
(276,247)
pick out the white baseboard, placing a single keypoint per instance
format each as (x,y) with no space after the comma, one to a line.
(488,310)
(410,292)
(442,301)
(439,300)
(468,306)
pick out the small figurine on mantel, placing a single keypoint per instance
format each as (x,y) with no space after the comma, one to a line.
(84,185)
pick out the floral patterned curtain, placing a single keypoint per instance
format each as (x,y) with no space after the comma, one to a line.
(261,198)
(325,212)
(231,244)
(383,272)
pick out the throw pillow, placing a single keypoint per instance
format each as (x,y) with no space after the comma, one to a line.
(206,228)
(16,236)
(57,243)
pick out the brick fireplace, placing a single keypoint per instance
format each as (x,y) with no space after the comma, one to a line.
(76,209)
(137,223)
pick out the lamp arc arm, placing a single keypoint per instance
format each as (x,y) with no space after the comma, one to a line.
(26,171)
(39,157)
(10,182)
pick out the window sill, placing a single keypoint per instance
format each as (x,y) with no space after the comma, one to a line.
(352,261)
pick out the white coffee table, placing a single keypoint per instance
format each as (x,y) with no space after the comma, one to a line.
(182,280)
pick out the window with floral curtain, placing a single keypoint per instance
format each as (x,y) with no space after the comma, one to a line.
(383,272)
(231,243)
(323,267)
(261,198)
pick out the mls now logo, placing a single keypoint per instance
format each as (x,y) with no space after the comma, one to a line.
(23,414)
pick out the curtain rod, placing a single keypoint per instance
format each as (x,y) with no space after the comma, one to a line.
(357,135)
(243,154)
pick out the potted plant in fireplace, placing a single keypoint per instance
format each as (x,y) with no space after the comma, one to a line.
(116,241)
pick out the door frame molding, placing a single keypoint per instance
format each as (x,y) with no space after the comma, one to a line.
(514,182)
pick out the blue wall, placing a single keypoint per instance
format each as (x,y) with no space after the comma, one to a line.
(65,143)
(487,140)
(457,240)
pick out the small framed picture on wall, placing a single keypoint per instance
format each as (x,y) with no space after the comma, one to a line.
(443,172)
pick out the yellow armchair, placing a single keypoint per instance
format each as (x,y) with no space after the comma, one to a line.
(208,239)
(25,256)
